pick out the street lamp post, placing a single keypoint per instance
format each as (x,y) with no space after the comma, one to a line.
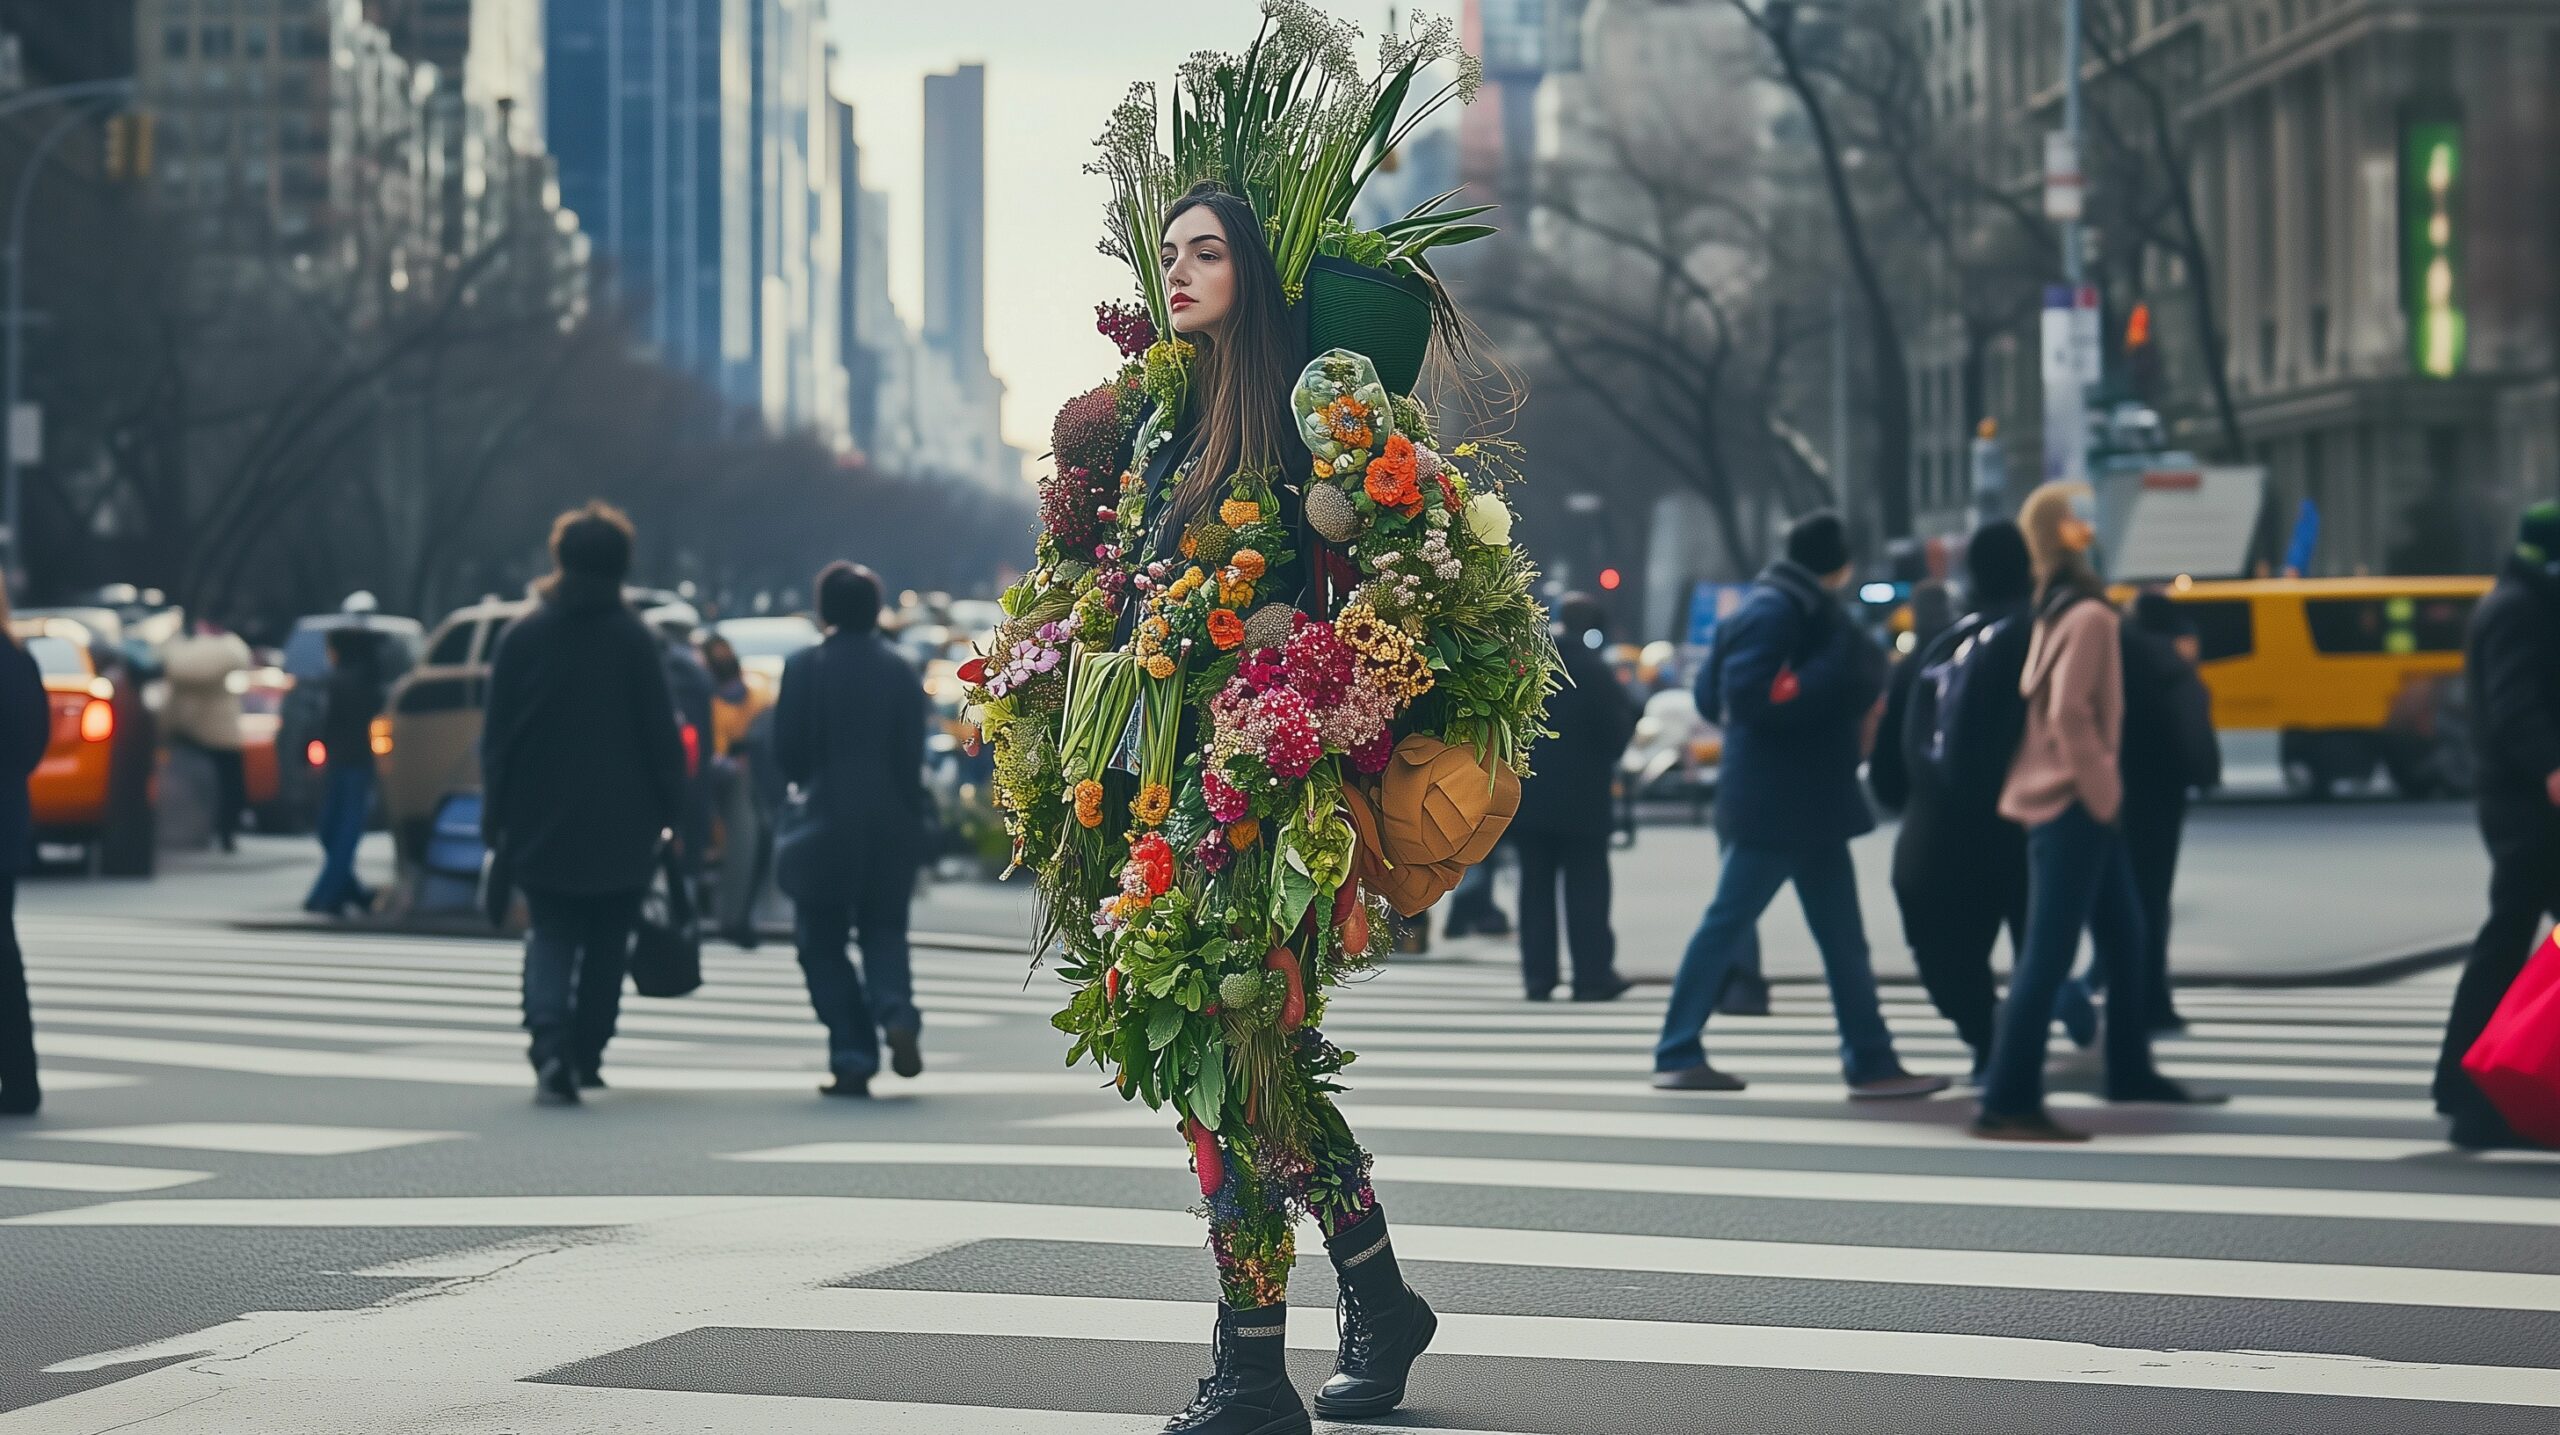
(15,317)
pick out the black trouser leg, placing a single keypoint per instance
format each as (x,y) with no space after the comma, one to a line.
(2152,832)
(1586,913)
(1540,862)
(1951,932)
(17,1023)
(2524,884)
(604,957)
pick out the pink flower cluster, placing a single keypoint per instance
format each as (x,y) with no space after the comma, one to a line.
(1292,703)
(1283,727)
(1319,665)
(1041,653)
(1226,801)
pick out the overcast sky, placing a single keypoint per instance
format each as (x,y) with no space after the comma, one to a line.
(1054,69)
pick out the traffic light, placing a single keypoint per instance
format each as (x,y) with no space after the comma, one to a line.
(129,145)
(2141,355)
(1610,578)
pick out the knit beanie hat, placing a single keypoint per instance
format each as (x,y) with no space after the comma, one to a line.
(2538,533)
(1818,543)
(1995,560)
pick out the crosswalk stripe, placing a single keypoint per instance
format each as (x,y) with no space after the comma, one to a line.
(1814,1131)
(60,1016)
(1366,1017)
(799,1026)
(61,1079)
(74,1176)
(1634,1065)
(1871,1352)
(265,1138)
(2041,1193)
(2336,1108)
(1719,1039)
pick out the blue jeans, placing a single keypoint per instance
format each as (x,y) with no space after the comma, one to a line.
(2079,878)
(1727,939)
(346,803)
(574,959)
(856,1010)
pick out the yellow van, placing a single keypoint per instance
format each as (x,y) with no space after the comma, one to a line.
(2351,672)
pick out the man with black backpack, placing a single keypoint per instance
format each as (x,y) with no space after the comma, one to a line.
(1951,719)
(1794,683)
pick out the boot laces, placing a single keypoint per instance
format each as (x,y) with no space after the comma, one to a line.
(1223,1381)
(1355,1331)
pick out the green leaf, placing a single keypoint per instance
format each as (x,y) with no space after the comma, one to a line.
(1162,1024)
(1209,1092)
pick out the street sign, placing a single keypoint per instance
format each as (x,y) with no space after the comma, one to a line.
(26,434)
(2066,191)
(2070,363)
(2191,520)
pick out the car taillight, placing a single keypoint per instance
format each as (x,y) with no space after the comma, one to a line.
(97,720)
(316,753)
(379,736)
(692,749)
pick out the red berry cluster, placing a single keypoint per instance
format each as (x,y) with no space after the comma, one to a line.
(1126,325)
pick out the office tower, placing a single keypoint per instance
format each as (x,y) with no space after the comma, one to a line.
(955,215)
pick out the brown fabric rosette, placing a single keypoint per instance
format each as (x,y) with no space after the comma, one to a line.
(1437,804)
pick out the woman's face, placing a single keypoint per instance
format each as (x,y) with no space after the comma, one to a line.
(1199,271)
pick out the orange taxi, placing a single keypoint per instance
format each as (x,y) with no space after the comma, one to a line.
(69,786)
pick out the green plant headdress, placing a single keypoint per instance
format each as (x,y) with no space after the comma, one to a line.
(1295,127)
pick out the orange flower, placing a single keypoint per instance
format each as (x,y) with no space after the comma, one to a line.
(1347,419)
(1190,544)
(1089,803)
(1225,628)
(1160,667)
(1244,834)
(1391,480)
(1237,512)
(1153,803)
(1250,563)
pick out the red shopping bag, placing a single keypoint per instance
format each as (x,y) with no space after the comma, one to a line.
(2516,1061)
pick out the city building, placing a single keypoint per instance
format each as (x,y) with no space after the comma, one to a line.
(955,212)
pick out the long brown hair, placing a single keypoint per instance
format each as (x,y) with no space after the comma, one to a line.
(1242,374)
(2058,565)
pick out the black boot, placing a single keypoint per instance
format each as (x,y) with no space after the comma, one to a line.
(1385,1325)
(1248,1390)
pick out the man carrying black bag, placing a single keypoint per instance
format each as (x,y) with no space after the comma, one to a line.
(849,733)
(582,774)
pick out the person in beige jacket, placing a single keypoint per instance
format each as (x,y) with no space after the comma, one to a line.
(2064,787)
(204,711)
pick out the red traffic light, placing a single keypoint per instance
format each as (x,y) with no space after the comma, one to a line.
(1610,579)
(2137,327)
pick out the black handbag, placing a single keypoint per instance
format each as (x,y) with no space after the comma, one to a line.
(666,945)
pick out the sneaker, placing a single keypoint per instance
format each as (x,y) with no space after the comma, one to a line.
(591,1081)
(848,1084)
(2034,1126)
(1901,1086)
(905,1057)
(2161,1091)
(1608,991)
(1700,1077)
(556,1084)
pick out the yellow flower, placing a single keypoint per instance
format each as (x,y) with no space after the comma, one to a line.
(1160,667)
(1323,469)
(1089,803)
(1237,512)
(1235,592)
(1190,544)
(1153,802)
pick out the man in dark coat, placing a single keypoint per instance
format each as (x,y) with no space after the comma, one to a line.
(2512,664)
(1959,868)
(582,775)
(346,795)
(1563,825)
(849,730)
(1794,683)
(26,728)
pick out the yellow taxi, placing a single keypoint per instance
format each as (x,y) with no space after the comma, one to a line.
(69,786)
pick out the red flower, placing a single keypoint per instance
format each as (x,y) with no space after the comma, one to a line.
(1153,857)
(974,671)
(1225,628)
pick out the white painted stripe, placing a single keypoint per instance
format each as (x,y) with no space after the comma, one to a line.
(483,994)
(1758,1347)
(1720,1039)
(57,1080)
(463,1071)
(385,1212)
(635,1018)
(376,1033)
(1357,1015)
(265,1138)
(73,1176)
(1876,1132)
(1758,1183)
(1633,1066)
(2326,1108)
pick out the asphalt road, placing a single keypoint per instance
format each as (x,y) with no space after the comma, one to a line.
(293,1183)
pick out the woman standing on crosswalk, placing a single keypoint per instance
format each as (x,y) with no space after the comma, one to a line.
(1273,674)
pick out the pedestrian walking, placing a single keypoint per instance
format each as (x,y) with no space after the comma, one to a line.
(1793,682)
(1952,715)
(1473,912)
(1562,828)
(2512,665)
(582,774)
(746,839)
(204,713)
(2066,787)
(353,699)
(849,730)
(26,727)
(2170,752)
